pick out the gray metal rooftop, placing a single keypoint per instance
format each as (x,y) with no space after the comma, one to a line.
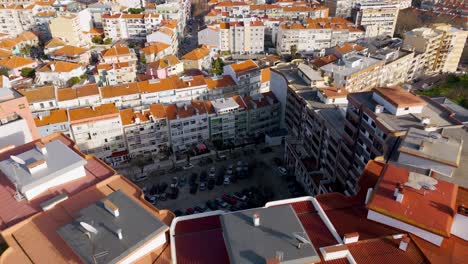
(60,159)
(224,104)
(460,112)
(345,69)
(138,226)
(460,176)
(275,235)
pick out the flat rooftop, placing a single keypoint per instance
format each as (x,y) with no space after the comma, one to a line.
(12,211)
(138,226)
(60,159)
(344,68)
(460,113)
(247,243)
(438,117)
(7,94)
(36,239)
(224,104)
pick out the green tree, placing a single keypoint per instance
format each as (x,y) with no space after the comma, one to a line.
(73,81)
(108,41)
(28,72)
(26,50)
(293,50)
(4,72)
(135,10)
(97,40)
(217,66)
(84,76)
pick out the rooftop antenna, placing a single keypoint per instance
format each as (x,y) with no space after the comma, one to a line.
(302,240)
(17,161)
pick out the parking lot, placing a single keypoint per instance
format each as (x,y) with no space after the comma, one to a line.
(263,175)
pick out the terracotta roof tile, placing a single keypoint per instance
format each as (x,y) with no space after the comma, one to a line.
(334,92)
(54,117)
(15,62)
(220,82)
(71,93)
(117,50)
(155,48)
(119,90)
(54,42)
(244,66)
(399,97)
(166,61)
(265,77)
(158,110)
(59,66)
(93,112)
(128,116)
(69,50)
(39,94)
(196,54)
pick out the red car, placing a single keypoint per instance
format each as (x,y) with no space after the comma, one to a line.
(229,200)
(189,211)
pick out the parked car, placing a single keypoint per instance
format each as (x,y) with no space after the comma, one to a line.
(178,213)
(199,209)
(174,193)
(162,187)
(212,205)
(140,178)
(188,166)
(202,186)
(212,173)
(226,181)
(163,197)
(151,199)
(221,203)
(229,170)
(239,196)
(211,184)
(203,176)
(193,178)
(228,199)
(189,211)
(282,171)
(183,181)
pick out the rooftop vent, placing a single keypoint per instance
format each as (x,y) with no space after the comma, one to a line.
(379,109)
(41,148)
(462,210)
(36,166)
(111,208)
(256,219)
(404,242)
(351,237)
(425,120)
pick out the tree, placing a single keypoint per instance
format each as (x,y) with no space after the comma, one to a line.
(135,10)
(84,76)
(97,40)
(108,41)
(293,50)
(28,72)
(4,72)
(73,81)
(26,50)
(217,66)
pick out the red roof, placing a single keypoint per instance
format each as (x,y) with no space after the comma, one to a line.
(439,204)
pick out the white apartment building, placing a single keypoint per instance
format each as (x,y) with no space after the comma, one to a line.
(115,73)
(81,96)
(58,72)
(118,54)
(16,19)
(247,76)
(377,17)
(316,34)
(166,35)
(398,64)
(52,122)
(188,124)
(146,132)
(70,27)
(228,119)
(129,26)
(98,131)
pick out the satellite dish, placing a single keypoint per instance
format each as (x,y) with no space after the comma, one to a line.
(88,227)
(17,160)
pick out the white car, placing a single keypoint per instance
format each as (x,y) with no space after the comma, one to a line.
(227,181)
(282,171)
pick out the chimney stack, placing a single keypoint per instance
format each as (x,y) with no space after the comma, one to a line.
(111,208)
(256,219)
(462,210)
(400,195)
(118,232)
(351,237)
(41,148)
(404,242)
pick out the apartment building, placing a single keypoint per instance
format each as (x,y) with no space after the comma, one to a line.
(58,73)
(398,64)
(41,24)
(40,98)
(339,8)
(375,120)
(164,67)
(129,26)
(246,75)
(155,51)
(316,34)
(70,27)
(188,125)
(16,121)
(16,19)
(378,18)
(98,131)
(166,34)
(14,64)
(71,54)
(53,121)
(441,46)
(354,72)
(228,120)
(78,96)
(118,53)
(264,113)
(146,132)
(220,87)
(115,73)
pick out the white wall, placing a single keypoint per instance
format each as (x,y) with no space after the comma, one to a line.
(394,110)
(154,244)
(14,133)
(279,86)
(418,162)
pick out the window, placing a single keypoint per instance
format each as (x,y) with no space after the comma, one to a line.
(406,108)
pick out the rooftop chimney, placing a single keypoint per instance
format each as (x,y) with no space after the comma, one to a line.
(256,219)
(351,237)
(118,232)
(52,66)
(462,210)
(397,188)
(111,208)
(400,195)
(41,148)
(404,243)
(425,120)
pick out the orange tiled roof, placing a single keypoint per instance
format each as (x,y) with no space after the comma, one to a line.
(155,48)
(266,73)
(44,93)
(334,92)
(117,50)
(119,90)
(348,47)
(224,81)
(54,42)
(244,66)
(128,116)
(109,66)
(15,62)
(70,93)
(5,53)
(90,112)
(319,62)
(47,13)
(54,117)
(157,110)
(196,54)
(166,61)
(398,97)
(59,66)
(69,50)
